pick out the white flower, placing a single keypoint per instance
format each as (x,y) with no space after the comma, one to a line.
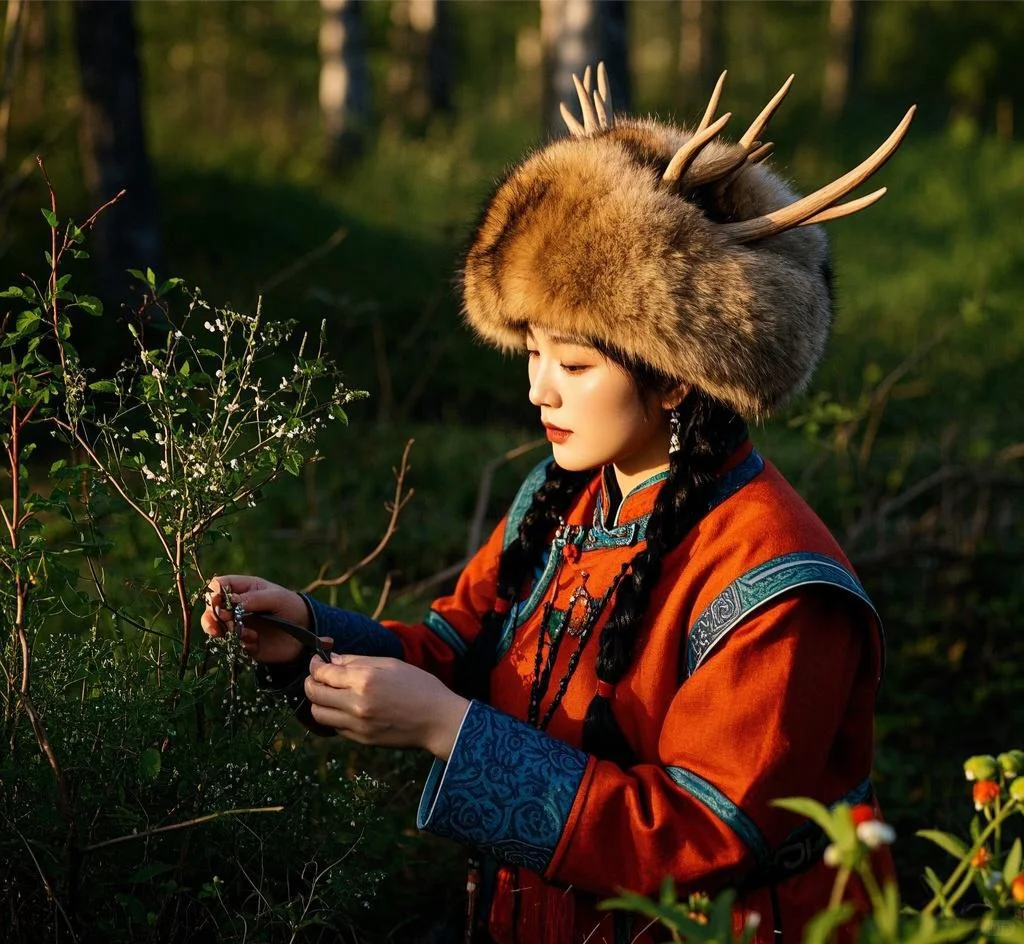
(875,833)
(752,922)
(208,326)
(832,856)
(178,335)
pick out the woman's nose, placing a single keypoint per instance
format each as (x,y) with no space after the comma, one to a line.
(542,391)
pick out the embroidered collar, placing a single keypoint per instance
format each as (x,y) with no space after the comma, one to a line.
(628,525)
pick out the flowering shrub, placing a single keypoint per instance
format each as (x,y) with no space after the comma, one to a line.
(988,869)
(148,791)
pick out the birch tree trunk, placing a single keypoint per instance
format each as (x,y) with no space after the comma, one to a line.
(13,23)
(113,143)
(344,79)
(420,73)
(844,50)
(575,34)
(700,45)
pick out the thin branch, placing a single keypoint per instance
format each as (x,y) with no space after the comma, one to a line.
(46,883)
(382,600)
(397,504)
(303,261)
(483,492)
(184,825)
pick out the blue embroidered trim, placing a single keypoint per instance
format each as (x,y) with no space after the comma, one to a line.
(524,498)
(441,627)
(753,589)
(727,811)
(507,789)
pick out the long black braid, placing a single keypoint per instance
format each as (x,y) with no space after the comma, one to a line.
(550,502)
(708,434)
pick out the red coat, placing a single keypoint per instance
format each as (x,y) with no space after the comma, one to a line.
(754,679)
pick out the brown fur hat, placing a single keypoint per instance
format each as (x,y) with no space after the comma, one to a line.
(585,238)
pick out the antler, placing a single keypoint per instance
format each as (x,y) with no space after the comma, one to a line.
(822,204)
(596,105)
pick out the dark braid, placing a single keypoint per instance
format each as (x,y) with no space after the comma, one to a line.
(708,433)
(550,502)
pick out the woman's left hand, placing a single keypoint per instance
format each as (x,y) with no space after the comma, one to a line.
(386,702)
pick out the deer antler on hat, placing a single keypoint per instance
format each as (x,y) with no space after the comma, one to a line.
(673,247)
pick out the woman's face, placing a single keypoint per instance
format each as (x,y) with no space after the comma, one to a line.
(593,411)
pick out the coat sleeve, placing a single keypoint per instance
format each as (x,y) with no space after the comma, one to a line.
(760,720)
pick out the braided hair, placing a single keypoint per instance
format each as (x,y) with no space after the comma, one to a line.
(708,431)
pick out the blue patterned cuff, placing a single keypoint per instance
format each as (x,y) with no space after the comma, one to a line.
(507,789)
(352,632)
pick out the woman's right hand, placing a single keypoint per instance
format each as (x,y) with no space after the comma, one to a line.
(262,640)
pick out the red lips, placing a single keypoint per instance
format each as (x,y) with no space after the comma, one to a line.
(556,434)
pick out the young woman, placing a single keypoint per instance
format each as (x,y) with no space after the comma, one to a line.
(660,637)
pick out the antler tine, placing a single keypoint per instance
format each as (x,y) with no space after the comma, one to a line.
(819,206)
(762,153)
(575,128)
(754,131)
(604,116)
(685,156)
(846,209)
(605,91)
(713,103)
(587,80)
(590,123)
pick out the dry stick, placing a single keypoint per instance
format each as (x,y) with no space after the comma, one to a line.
(397,504)
(185,825)
(383,598)
(476,525)
(46,883)
(299,264)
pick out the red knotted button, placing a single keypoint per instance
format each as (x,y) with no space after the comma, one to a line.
(502,606)
(571,553)
(605,690)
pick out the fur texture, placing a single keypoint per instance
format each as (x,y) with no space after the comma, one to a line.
(583,239)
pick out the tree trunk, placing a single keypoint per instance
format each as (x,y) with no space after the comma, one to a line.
(13,24)
(844,50)
(575,34)
(700,45)
(344,80)
(420,75)
(113,144)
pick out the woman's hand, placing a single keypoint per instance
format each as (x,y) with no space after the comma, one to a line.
(385,702)
(263,641)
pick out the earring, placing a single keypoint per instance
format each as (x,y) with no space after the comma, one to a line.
(674,445)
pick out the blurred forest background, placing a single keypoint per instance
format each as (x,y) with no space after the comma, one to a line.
(330,158)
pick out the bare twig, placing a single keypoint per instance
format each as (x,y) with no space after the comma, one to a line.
(46,883)
(198,820)
(303,261)
(396,505)
(382,600)
(483,492)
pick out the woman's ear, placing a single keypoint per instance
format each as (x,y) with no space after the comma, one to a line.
(676,395)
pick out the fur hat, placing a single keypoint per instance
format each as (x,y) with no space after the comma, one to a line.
(674,249)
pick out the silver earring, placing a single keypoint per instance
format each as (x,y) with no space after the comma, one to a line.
(674,445)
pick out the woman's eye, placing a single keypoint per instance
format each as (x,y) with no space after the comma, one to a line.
(574,368)
(530,353)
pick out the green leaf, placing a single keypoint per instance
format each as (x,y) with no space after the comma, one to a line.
(104,386)
(339,414)
(151,278)
(62,281)
(812,809)
(50,217)
(90,305)
(1011,869)
(27,322)
(293,462)
(150,764)
(167,286)
(57,466)
(15,291)
(1008,932)
(822,926)
(150,871)
(955,847)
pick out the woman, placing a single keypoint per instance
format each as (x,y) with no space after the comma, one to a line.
(660,638)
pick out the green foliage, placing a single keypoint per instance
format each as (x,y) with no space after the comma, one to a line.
(149,791)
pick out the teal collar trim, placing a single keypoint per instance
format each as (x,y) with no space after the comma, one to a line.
(633,532)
